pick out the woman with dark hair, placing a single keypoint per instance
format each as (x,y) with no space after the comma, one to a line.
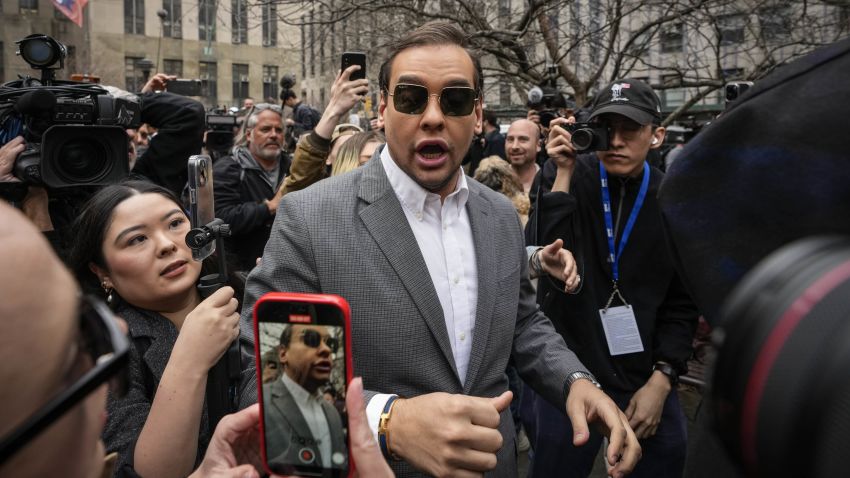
(130,242)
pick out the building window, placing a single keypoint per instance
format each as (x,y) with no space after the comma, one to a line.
(28,6)
(209,89)
(134,17)
(172,24)
(239,21)
(312,46)
(134,79)
(672,38)
(240,83)
(206,20)
(775,23)
(270,83)
(269,24)
(504,12)
(173,67)
(504,92)
(303,43)
(2,71)
(731,28)
(672,97)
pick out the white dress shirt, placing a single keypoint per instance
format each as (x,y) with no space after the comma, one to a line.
(444,236)
(314,415)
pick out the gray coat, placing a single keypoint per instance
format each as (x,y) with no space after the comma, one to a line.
(348,235)
(287,432)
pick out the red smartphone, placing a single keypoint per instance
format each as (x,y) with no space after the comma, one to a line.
(303,353)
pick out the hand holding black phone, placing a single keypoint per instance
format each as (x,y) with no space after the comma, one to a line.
(354,58)
(304,366)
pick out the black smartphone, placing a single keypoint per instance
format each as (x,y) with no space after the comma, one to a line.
(184,86)
(201,202)
(303,353)
(355,58)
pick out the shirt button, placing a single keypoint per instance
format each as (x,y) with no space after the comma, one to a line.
(445,226)
(419,216)
(463,336)
(456,280)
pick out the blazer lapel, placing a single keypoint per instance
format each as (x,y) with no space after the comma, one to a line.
(483,234)
(386,222)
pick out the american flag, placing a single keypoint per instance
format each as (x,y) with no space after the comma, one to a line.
(73,9)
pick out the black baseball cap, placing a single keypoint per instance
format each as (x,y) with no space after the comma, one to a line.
(631,98)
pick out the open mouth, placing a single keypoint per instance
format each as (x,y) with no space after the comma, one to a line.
(323,366)
(431,151)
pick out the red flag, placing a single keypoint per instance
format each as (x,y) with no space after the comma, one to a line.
(73,9)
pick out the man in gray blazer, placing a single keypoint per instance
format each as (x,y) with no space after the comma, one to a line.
(434,267)
(301,427)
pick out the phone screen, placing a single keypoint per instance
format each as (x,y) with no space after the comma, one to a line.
(355,58)
(201,202)
(304,366)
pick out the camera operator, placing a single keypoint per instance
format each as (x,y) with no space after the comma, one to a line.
(629,282)
(180,124)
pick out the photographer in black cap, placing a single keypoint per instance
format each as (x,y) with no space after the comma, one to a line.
(631,322)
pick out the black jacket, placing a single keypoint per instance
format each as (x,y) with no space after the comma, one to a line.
(666,316)
(240,191)
(180,123)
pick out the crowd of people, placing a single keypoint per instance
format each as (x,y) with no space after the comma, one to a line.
(428,221)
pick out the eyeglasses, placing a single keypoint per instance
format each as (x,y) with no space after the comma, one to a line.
(454,100)
(107,346)
(313,338)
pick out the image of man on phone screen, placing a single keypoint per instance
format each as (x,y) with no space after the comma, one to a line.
(300,426)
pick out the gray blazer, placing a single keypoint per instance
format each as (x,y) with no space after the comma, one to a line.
(348,235)
(287,433)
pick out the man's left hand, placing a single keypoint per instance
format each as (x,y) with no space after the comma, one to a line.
(646,405)
(585,402)
(560,264)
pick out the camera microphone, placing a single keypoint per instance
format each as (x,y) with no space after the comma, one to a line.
(535,95)
(36,103)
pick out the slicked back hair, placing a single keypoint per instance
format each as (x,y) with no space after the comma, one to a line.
(432,34)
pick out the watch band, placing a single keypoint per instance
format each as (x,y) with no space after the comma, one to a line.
(667,370)
(383,429)
(571,378)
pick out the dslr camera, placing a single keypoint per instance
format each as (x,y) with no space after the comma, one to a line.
(74,131)
(587,137)
(220,127)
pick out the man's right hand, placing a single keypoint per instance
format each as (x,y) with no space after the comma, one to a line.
(344,95)
(559,147)
(448,435)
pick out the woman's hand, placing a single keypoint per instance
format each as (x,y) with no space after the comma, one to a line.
(210,328)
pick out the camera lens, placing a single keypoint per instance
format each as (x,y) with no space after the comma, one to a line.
(84,160)
(582,139)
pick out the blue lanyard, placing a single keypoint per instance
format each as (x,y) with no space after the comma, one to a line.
(615,253)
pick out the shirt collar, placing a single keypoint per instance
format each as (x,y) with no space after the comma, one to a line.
(299,393)
(413,196)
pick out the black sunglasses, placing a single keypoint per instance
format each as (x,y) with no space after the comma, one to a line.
(313,338)
(454,100)
(108,347)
